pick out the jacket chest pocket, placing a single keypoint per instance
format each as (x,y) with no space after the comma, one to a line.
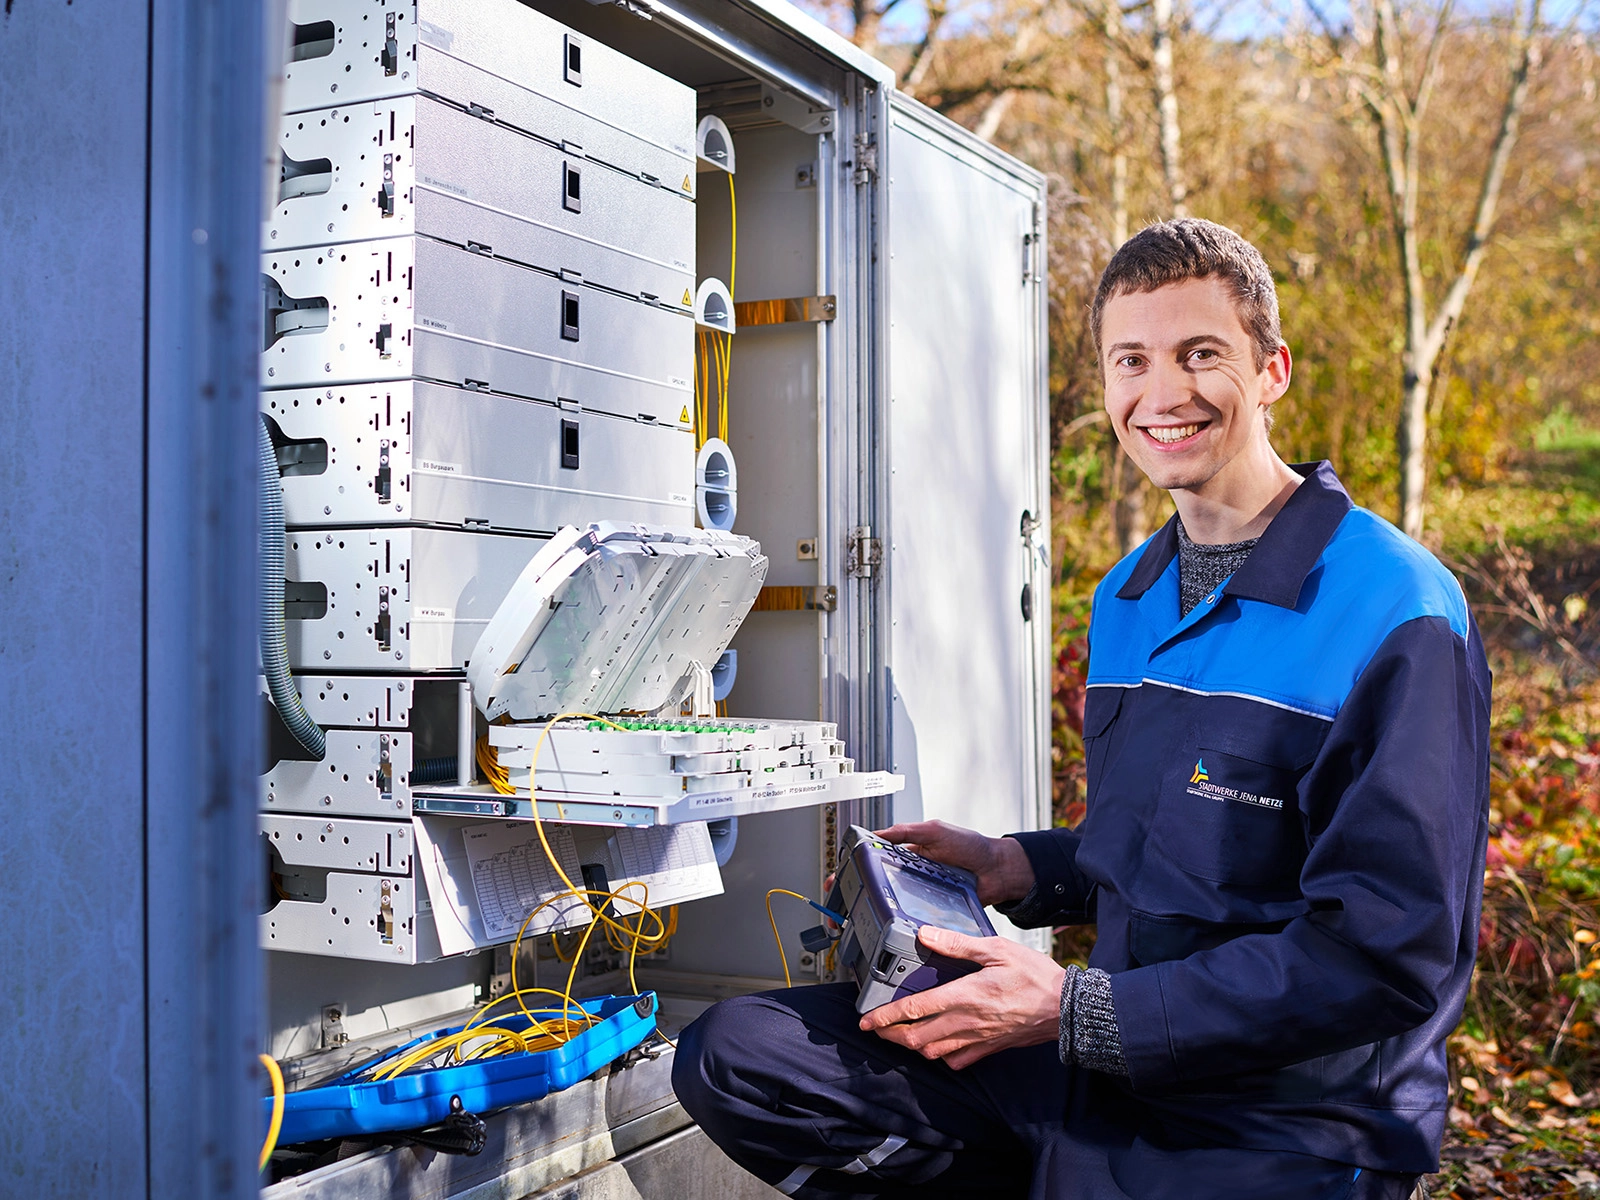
(1229,817)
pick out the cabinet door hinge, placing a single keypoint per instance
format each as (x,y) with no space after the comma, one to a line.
(863,554)
(866,160)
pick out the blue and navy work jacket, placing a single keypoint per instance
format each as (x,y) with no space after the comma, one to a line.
(1284,845)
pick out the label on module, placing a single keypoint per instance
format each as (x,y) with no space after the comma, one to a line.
(439,468)
(422,613)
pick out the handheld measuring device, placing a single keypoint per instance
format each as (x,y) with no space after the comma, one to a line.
(886,893)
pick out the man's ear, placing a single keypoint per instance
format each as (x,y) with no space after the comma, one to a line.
(1277,372)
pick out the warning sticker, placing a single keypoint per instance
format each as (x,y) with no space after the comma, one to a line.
(683,417)
(688,184)
(687,298)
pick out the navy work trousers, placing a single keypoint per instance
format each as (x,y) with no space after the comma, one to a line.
(792,1090)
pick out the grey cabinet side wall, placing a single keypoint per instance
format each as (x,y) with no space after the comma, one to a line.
(129,176)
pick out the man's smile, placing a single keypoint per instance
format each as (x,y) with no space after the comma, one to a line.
(1171,435)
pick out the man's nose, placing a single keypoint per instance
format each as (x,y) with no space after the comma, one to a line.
(1168,384)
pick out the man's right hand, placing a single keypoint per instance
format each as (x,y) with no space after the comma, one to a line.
(1002,867)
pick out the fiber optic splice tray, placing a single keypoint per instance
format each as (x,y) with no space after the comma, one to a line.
(626,619)
(353,1105)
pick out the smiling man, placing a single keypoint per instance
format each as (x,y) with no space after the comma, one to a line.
(1286,741)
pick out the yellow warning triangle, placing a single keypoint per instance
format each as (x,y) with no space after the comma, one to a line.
(683,418)
(687,185)
(687,298)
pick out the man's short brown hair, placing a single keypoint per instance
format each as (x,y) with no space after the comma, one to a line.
(1189,248)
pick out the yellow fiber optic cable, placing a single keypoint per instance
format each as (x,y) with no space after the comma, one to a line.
(773,921)
(275,1125)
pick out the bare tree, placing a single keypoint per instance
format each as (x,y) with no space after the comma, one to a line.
(1394,98)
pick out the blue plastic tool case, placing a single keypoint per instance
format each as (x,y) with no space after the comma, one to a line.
(351,1105)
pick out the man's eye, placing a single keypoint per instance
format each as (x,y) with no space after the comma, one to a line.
(1130,362)
(1202,354)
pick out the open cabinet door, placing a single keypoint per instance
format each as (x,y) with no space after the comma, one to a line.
(967,444)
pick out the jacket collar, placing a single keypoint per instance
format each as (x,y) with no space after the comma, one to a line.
(1276,570)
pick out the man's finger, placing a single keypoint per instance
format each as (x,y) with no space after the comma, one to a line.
(906,832)
(959,945)
(920,1006)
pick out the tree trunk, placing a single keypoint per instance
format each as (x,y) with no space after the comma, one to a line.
(1119,155)
(1410,440)
(1167,107)
(1127,488)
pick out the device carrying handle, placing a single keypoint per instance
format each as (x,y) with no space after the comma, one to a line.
(461,1132)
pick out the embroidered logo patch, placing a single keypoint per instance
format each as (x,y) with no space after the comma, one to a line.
(1200,785)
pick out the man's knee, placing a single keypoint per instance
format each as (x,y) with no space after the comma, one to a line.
(715,1054)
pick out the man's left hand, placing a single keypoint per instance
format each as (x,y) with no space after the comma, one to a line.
(1013,1000)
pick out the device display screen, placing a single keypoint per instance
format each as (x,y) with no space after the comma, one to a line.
(925,901)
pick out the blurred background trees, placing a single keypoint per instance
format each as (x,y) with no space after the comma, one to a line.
(1424,179)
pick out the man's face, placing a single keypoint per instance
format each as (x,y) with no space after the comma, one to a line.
(1182,389)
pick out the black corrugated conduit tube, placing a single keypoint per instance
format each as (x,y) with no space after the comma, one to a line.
(274,636)
(435,770)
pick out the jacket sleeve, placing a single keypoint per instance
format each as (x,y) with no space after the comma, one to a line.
(1396,805)
(1061,894)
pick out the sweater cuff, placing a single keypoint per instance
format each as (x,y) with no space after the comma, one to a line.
(1089,1036)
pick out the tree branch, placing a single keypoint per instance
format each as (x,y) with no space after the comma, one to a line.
(1027,29)
(1493,179)
(922,58)
(1430,63)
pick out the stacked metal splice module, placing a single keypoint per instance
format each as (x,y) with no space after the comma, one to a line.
(478,342)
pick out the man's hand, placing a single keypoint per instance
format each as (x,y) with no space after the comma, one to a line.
(1014,1000)
(1001,865)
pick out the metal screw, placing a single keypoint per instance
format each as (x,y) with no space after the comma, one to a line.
(274,233)
(327,509)
(327,654)
(330,226)
(399,803)
(328,828)
(327,799)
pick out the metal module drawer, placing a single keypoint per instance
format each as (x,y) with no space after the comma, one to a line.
(346,888)
(414,165)
(403,307)
(397,599)
(478,52)
(422,453)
